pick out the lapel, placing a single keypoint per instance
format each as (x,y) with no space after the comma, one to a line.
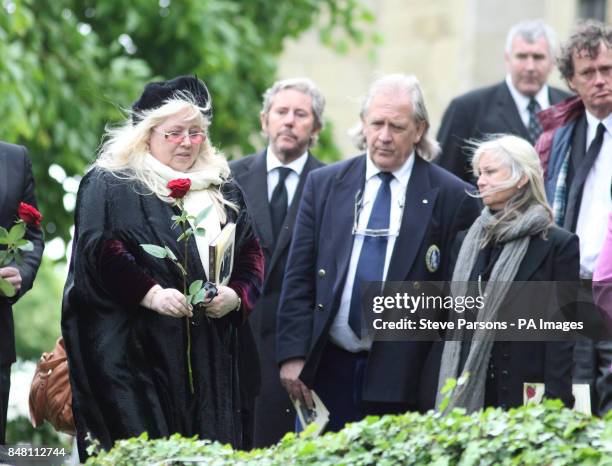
(536,252)
(342,197)
(286,232)
(418,208)
(573,184)
(3,183)
(508,113)
(254,183)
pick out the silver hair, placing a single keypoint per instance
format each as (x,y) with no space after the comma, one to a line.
(428,148)
(303,85)
(523,161)
(531,30)
(125,146)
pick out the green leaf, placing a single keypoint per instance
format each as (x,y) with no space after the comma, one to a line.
(155,250)
(195,286)
(185,235)
(169,253)
(199,296)
(3,234)
(6,288)
(16,232)
(26,245)
(200,231)
(202,215)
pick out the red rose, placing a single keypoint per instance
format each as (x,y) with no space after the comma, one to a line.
(179,187)
(29,214)
(530,392)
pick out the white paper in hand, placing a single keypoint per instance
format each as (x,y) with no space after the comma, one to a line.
(319,415)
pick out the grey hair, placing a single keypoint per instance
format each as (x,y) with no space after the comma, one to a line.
(303,85)
(428,148)
(531,30)
(587,36)
(125,146)
(522,159)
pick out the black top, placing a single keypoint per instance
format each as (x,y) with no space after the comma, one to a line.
(128,364)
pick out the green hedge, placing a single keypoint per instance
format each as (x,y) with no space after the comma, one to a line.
(545,434)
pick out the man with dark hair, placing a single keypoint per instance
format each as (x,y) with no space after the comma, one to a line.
(508,107)
(272,181)
(16,186)
(386,215)
(576,153)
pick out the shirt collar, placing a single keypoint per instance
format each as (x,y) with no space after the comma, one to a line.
(593,121)
(402,174)
(273,162)
(522,101)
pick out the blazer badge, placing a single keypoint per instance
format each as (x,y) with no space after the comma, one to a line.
(432,258)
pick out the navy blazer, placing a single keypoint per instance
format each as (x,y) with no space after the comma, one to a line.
(16,185)
(437,207)
(489,110)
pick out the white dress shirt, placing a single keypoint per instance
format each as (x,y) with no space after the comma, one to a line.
(596,201)
(340,332)
(522,101)
(292,180)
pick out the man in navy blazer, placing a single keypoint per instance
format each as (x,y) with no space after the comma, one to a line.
(16,185)
(317,345)
(503,107)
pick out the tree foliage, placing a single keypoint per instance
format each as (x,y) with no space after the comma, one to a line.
(69,66)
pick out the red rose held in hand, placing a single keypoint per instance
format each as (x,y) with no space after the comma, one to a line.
(29,214)
(179,187)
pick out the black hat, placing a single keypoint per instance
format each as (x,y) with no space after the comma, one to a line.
(155,95)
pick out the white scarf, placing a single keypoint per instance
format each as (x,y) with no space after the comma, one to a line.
(195,201)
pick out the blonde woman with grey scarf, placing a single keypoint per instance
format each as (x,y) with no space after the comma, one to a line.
(514,239)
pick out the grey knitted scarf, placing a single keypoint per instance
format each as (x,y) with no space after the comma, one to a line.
(515,240)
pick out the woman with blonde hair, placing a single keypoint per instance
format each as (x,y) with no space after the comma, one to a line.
(141,357)
(513,240)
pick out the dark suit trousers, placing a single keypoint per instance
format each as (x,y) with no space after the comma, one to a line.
(5,386)
(339,383)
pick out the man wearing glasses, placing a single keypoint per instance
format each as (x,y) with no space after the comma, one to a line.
(272,181)
(389,215)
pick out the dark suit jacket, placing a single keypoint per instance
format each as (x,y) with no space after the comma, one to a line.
(473,115)
(437,206)
(274,413)
(16,185)
(554,258)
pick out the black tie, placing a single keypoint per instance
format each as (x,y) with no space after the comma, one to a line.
(279,201)
(582,171)
(534,129)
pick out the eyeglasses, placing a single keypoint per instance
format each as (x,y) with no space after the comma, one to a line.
(375,232)
(177,137)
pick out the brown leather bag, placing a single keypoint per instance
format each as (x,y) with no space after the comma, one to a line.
(50,393)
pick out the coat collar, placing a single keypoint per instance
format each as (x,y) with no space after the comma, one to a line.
(508,112)
(254,183)
(420,200)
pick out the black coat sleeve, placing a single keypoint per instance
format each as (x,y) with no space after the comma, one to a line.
(31,259)
(559,354)
(294,317)
(455,130)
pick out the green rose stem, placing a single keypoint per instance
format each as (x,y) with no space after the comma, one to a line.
(187,326)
